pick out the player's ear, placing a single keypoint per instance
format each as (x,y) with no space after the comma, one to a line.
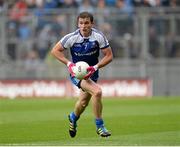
(93,24)
(77,24)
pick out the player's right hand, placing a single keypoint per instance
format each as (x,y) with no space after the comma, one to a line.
(70,66)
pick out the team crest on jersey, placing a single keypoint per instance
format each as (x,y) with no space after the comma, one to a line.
(77,45)
(93,44)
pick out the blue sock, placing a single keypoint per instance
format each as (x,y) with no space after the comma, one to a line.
(73,117)
(99,123)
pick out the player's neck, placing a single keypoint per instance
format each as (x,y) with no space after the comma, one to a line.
(86,35)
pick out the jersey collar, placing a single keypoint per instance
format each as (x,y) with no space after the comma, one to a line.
(83,36)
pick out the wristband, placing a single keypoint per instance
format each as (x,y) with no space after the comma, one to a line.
(95,67)
(68,63)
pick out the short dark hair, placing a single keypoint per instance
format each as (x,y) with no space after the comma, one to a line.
(85,15)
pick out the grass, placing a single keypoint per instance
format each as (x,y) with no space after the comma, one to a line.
(144,122)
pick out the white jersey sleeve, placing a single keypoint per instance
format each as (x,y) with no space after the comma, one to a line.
(68,40)
(65,41)
(103,43)
(101,38)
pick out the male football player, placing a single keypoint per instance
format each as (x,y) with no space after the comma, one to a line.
(85,44)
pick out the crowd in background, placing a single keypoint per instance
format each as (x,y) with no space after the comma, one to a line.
(84,4)
(48,33)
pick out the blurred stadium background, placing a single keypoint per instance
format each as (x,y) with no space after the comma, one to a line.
(145,38)
(144,35)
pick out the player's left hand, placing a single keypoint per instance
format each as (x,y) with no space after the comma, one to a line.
(91,70)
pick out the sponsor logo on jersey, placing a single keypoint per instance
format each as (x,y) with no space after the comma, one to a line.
(85,54)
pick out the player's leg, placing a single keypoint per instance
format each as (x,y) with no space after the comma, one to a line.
(80,106)
(95,90)
(82,102)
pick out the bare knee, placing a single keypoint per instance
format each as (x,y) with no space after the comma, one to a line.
(98,93)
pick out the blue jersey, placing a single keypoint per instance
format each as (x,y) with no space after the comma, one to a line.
(85,48)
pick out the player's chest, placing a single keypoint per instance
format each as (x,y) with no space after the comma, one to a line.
(85,46)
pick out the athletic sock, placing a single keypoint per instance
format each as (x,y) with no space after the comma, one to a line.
(99,122)
(73,117)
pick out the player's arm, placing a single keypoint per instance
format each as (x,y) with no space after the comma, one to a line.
(107,57)
(58,52)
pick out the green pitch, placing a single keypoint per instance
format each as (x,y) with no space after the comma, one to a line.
(153,121)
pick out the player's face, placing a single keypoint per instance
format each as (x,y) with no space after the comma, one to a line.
(85,26)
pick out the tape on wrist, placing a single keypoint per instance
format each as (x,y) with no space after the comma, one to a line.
(95,67)
(68,63)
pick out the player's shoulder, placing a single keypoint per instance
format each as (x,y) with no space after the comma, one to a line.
(98,35)
(70,36)
(74,33)
(97,32)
